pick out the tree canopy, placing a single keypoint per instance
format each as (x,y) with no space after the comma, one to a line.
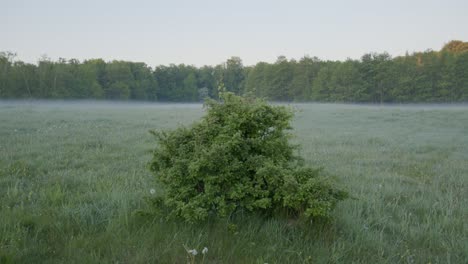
(429,76)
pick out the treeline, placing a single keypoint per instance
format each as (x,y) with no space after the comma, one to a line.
(430,76)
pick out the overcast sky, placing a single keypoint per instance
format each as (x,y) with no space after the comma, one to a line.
(203,32)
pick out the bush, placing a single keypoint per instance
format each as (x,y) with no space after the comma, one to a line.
(238,157)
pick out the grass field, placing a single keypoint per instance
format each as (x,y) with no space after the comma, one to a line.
(73,175)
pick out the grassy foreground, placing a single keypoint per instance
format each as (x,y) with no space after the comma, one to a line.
(73,175)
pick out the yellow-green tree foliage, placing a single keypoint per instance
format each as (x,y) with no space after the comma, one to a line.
(456,46)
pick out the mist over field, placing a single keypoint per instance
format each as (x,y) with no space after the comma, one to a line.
(96,103)
(84,103)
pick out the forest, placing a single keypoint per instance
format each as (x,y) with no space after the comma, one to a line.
(429,76)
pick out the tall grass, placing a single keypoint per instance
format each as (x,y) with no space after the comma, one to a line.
(72,177)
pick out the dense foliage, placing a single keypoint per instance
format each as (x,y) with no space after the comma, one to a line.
(238,157)
(430,76)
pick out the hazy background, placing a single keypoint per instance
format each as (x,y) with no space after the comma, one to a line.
(208,32)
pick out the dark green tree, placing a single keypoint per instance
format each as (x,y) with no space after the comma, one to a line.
(233,76)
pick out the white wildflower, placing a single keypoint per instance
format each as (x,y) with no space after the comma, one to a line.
(193,252)
(152,191)
(205,250)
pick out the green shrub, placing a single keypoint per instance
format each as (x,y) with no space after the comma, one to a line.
(238,157)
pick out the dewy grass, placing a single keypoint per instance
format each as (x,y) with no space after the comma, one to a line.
(73,176)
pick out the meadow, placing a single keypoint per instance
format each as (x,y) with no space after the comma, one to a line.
(73,177)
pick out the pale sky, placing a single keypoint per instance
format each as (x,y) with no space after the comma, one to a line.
(207,32)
